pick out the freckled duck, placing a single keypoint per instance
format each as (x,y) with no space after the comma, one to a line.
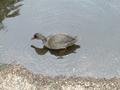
(57,41)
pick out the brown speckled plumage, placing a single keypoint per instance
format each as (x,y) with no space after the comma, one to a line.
(57,41)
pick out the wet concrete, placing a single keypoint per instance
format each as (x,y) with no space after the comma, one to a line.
(16,77)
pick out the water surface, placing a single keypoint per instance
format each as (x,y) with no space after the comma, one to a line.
(96,23)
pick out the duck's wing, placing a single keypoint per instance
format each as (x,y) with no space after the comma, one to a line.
(60,41)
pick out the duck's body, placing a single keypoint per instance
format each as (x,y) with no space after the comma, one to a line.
(57,41)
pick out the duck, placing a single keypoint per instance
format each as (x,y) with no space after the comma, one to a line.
(56,41)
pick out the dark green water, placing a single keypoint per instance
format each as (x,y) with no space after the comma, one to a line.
(96,23)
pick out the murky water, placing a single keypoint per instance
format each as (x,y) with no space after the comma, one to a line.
(96,23)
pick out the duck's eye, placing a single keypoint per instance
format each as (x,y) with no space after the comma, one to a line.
(35,36)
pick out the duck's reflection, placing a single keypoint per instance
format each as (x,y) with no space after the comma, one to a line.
(58,53)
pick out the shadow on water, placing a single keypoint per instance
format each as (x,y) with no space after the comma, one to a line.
(58,53)
(8,9)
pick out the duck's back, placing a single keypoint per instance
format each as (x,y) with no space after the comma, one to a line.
(59,41)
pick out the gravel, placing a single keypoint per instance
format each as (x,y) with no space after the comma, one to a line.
(17,77)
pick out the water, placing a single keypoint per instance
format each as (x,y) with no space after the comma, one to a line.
(96,23)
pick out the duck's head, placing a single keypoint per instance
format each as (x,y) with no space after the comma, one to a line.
(39,36)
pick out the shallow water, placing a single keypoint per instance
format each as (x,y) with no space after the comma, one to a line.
(96,23)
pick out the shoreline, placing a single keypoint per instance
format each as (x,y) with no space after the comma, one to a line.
(17,77)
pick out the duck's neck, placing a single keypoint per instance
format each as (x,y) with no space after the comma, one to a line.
(44,40)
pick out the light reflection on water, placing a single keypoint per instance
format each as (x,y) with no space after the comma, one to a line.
(92,21)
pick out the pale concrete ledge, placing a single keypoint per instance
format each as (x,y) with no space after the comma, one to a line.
(16,77)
